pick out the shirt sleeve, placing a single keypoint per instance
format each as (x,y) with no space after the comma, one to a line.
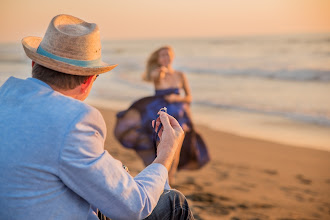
(91,172)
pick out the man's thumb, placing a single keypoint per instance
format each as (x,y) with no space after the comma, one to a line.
(164,119)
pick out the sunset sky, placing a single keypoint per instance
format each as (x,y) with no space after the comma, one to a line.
(131,19)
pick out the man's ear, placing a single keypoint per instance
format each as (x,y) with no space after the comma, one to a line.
(85,85)
(33,63)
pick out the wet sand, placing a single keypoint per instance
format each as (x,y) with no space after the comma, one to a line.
(247,178)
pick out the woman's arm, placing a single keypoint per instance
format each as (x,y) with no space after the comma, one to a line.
(185,85)
(158,73)
(177,98)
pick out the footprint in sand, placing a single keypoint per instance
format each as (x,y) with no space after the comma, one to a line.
(220,205)
(303,180)
(222,175)
(251,215)
(202,197)
(189,184)
(270,172)
(207,183)
(210,203)
(207,197)
(324,209)
(299,194)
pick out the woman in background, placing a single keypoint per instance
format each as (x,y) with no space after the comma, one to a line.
(134,130)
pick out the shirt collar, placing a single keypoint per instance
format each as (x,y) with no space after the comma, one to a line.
(42,83)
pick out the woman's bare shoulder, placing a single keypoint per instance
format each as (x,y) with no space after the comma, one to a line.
(181,75)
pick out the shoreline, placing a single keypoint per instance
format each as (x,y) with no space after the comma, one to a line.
(246,177)
(273,129)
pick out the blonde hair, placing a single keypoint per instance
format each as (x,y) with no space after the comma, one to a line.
(152,62)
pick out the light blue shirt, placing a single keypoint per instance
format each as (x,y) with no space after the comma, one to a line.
(53,164)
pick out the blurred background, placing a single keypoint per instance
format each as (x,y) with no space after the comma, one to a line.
(257,68)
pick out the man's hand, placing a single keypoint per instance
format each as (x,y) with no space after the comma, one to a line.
(170,136)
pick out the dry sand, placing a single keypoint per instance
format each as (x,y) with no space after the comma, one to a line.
(247,178)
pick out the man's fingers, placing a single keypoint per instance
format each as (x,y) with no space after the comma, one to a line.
(155,124)
(169,119)
(164,119)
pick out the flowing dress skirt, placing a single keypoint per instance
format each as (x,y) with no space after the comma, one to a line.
(134,130)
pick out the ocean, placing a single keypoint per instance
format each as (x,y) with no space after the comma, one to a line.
(274,88)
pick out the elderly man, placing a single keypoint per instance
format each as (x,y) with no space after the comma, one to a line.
(52,158)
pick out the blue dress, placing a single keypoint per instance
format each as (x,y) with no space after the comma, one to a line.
(133,129)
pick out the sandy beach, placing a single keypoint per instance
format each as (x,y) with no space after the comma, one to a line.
(247,178)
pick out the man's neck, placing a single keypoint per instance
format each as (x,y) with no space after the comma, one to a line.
(73,93)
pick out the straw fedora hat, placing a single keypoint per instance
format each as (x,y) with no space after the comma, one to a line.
(70,45)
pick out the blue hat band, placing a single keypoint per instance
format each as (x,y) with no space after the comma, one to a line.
(82,63)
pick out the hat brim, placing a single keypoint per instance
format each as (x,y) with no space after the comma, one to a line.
(31,44)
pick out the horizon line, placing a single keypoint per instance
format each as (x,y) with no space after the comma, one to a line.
(201,37)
